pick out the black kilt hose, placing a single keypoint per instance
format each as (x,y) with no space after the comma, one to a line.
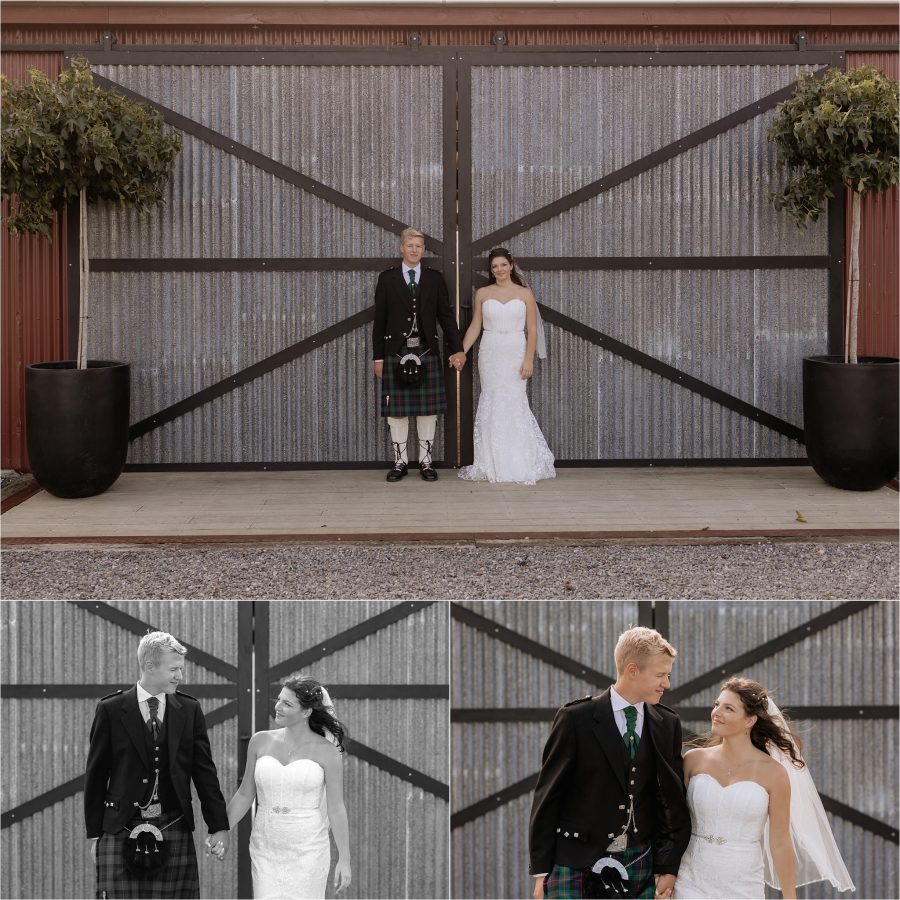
(428,398)
(179,877)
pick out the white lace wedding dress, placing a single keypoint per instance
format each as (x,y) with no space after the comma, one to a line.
(725,855)
(290,852)
(509,445)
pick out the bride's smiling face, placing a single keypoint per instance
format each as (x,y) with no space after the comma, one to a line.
(500,268)
(288,710)
(728,716)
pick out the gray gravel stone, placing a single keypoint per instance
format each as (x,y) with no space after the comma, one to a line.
(464,571)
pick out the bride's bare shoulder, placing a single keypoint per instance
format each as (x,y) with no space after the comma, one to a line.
(693,757)
(773,772)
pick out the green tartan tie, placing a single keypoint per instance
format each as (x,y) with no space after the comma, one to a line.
(412,281)
(631,739)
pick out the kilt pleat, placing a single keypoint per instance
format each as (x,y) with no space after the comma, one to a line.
(564,883)
(427,399)
(179,877)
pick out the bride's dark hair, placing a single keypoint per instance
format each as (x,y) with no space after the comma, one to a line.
(514,275)
(766,730)
(309,692)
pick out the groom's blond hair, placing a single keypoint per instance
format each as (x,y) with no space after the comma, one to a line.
(638,644)
(152,646)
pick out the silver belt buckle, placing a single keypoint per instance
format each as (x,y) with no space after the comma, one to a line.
(414,342)
(153,811)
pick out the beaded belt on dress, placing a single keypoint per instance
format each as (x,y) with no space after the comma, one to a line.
(710,838)
(280,810)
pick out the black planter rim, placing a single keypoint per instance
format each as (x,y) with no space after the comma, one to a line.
(838,360)
(71,365)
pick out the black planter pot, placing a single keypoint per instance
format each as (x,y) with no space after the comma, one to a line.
(851,421)
(76,423)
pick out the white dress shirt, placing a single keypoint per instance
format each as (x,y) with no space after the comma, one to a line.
(143,696)
(417,269)
(618,704)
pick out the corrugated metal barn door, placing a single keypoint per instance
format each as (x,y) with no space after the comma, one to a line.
(244,305)
(633,187)
(634,190)
(59,660)
(832,665)
(385,665)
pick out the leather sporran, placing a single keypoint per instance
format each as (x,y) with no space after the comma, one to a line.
(145,851)
(410,370)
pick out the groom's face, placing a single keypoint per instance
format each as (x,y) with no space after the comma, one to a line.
(652,681)
(412,249)
(166,675)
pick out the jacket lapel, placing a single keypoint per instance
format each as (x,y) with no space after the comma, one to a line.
(175,721)
(403,287)
(607,733)
(134,724)
(653,726)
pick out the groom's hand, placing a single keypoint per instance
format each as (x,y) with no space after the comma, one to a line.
(378,365)
(665,885)
(538,893)
(218,844)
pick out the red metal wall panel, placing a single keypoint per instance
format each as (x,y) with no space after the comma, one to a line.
(456,35)
(879,256)
(32,297)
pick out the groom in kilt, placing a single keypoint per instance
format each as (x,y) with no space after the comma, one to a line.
(147,744)
(409,302)
(609,816)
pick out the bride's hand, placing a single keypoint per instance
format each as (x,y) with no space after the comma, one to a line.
(341,876)
(665,886)
(526,370)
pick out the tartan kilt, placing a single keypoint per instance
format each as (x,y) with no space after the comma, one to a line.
(178,878)
(429,398)
(564,883)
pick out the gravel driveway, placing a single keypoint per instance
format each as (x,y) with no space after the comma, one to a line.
(750,570)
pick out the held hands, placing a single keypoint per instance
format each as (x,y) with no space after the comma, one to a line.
(217,845)
(457,361)
(665,887)
(341,876)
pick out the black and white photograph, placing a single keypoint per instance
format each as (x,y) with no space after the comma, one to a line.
(674,750)
(221,749)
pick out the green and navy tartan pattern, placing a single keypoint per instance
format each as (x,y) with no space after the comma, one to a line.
(427,399)
(564,883)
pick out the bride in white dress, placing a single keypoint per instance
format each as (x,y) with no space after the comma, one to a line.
(509,445)
(756,816)
(295,774)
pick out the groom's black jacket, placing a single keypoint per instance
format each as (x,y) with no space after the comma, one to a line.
(394,306)
(119,772)
(582,788)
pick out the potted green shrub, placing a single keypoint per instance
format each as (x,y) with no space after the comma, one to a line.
(841,131)
(66,140)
